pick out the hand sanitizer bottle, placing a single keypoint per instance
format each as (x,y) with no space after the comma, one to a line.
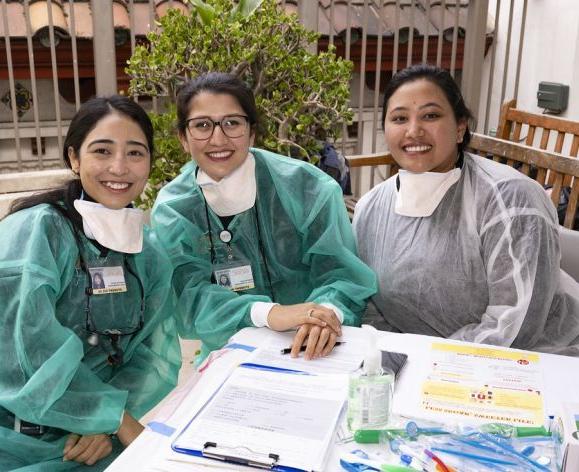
(370,391)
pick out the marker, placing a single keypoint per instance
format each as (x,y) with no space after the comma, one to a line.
(287,350)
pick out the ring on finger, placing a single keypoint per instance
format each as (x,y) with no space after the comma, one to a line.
(310,313)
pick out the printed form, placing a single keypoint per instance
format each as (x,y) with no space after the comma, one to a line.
(346,357)
(487,384)
(259,412)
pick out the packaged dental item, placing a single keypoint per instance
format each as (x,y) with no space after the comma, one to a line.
(565,429)
(359,461)
(370,390)
(409,430)
(478,451)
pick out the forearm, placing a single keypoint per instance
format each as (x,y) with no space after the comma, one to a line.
(213,314)
(83,404)
(129,430)
(338,275)
(348,297)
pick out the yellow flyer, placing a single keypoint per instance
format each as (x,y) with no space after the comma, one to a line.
(485,384)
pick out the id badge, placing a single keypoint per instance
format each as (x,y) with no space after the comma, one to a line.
(107,279)
(30,429)
(236,275)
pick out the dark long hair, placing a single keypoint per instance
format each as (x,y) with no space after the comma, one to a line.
(216,83)
(87,117)
(444,81)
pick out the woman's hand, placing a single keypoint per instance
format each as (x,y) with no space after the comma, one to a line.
(87,449)
(319,342)
(129,430)
(284,317)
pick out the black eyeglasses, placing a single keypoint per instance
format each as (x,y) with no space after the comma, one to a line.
(114,334)
(202,127)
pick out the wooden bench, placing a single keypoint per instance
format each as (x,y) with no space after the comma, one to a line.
(368,160)
(545,163)
(514,122)
(521,156)
(540,131)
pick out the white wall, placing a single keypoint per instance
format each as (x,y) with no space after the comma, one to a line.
(550,53)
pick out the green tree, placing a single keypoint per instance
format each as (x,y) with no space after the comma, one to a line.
(302,97)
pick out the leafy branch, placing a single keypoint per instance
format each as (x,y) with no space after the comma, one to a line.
(302,97)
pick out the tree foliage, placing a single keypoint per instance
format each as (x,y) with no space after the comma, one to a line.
(302,97)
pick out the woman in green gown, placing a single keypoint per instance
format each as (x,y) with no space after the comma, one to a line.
(82,363)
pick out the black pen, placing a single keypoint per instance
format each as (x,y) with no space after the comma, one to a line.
(287,350)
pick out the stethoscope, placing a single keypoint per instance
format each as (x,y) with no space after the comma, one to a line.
(116,357)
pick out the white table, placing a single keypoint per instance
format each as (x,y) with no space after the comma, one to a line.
(148,451)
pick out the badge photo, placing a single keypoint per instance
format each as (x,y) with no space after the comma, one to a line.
(235,277)
(107,280)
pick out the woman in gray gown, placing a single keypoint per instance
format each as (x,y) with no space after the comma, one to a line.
(464,247)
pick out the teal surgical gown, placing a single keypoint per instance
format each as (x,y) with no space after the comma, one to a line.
(297,236)
(49,374)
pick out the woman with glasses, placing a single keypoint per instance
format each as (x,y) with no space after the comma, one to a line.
(274,226)
(88,340)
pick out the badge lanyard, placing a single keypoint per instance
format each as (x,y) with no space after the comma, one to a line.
(116,358)
(226,236)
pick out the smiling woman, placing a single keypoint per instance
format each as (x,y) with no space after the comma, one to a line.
(421,129)
(88,338)
(115,161)
(218,147)
(256,239)
(464,247)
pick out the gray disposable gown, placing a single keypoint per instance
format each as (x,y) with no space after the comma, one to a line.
(484,267)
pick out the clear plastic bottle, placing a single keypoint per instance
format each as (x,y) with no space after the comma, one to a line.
(370,391)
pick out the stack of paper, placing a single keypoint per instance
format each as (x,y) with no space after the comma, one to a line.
(259,414)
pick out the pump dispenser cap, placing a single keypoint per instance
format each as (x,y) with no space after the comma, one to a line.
(373,357)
